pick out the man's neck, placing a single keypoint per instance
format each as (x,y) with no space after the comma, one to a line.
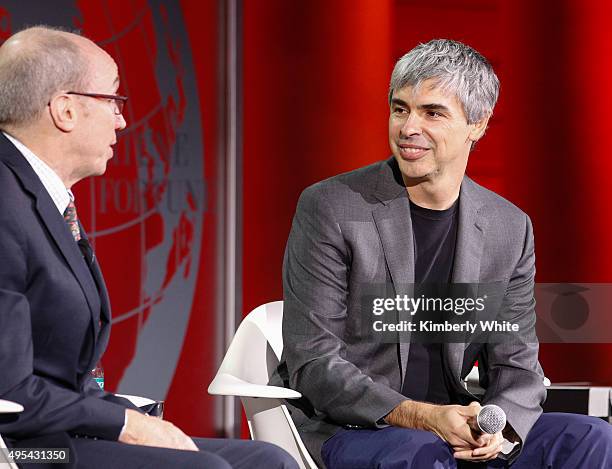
(435,195)
(43,149)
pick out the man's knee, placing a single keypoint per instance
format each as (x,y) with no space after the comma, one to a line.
(388,448)
(573,440)
(591,428)
(431,452)
(600,431)
(586,442)
(202,460)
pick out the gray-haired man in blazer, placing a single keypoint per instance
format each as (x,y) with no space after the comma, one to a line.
(418,219)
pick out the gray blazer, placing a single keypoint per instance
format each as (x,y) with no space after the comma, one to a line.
(355,230)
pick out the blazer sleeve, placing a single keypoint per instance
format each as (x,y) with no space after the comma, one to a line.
(50,406)
(514,377)
(316,267)
(92,389)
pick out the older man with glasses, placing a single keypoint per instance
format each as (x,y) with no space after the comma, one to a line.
(59,114)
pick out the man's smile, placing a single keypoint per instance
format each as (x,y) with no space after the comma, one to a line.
(411,151)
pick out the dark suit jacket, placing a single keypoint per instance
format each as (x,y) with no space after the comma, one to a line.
(354,231)
(54,316)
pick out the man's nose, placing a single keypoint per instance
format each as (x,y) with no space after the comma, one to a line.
(412,125)
(120,123)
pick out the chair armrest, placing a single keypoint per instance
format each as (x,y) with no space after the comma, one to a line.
(10,407)
(228,385)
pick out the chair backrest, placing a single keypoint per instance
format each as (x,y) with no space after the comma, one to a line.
(7,407)
(257,346)
(250,360)
(4,464)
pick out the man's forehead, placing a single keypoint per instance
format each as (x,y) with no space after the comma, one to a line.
(426,91)
(103,65)
(93,51)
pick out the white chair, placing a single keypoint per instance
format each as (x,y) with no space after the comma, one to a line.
(7,407)
(251,359)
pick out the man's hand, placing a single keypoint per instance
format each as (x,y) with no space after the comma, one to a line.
(455,424)
(150,431)
(484,453)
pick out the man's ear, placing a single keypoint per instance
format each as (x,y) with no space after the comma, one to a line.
(63,112)
(478,128)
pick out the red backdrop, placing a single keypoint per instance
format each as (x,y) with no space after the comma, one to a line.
(187,403)
(316,76)
(136,44)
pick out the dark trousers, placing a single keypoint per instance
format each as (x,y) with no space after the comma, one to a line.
(215,453)
(556,441)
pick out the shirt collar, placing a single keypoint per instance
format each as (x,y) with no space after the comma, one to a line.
(60,195)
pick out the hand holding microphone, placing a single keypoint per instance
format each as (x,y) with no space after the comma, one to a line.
(491,419)
(474,432)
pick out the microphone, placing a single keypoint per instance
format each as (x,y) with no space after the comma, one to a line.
(491,419)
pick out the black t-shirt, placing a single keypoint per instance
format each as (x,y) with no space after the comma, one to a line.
(434,235)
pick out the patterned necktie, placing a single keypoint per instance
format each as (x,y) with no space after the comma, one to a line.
(70,215)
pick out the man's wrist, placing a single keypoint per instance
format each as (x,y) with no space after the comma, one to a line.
(125,422)
(412,414)
(131,431)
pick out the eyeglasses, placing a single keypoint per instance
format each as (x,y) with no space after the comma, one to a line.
(119,100)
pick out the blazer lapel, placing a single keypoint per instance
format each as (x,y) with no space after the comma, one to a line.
(55,224)
(102,324)
(468,252)
(394,226)
(102,327)
(105,315)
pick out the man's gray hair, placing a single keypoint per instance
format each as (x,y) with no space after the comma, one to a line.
(40,62)
(455,68)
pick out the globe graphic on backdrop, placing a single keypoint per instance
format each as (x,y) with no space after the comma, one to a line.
(145,215)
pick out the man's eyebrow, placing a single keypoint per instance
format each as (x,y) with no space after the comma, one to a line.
(426,107)
(434,107)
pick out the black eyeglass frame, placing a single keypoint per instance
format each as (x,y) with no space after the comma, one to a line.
(119,100)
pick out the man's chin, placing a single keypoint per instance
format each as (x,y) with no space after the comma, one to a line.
(104,163)
(415,171)
(100,170)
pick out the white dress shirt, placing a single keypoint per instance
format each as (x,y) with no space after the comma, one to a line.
(55,187)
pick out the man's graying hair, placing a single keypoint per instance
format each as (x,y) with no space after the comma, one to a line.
(455,68)
(47,63)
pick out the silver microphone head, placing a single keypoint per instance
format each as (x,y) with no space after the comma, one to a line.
(491,419)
